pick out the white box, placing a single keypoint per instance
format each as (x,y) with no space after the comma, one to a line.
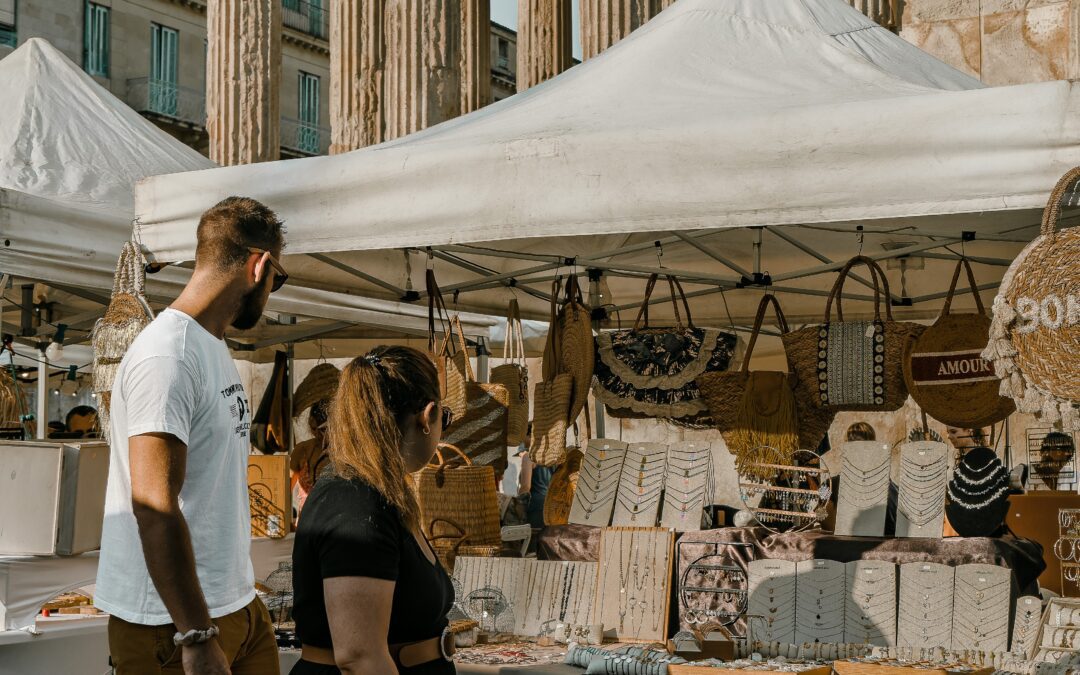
(52,497)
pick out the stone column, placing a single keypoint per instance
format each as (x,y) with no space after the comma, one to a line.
(243,72)
(475,54)
(357,54)
(422,84)
(605,22)
(544,44)
(882,11)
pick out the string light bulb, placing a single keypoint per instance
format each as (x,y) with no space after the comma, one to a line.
(55,350)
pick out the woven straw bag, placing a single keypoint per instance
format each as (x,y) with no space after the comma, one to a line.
(647,372)
(945,372)
(1036,326)
(551,401)
(319,385)
(514,375)
(127,315)
(572,324)
(853,365)
(560,494)
(449,355)
(458,491)
(481,431)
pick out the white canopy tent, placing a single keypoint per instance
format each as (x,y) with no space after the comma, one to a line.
(72,153)
(800,122)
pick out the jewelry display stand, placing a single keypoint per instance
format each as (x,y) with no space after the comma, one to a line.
(1026,625)
(637,502)
(634,583)
(870,614)
(982,598)
(925,616)
(687,486)
(494,591)
(1058,639)
(598,482)
(772,586)
(559,592)
(819,603)
(713,584)
(864,489)
(922,484)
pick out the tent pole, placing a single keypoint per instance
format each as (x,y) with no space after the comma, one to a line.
(482,355)
(290,363)
(596,300)
(42,395)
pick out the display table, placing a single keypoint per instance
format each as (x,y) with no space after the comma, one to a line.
(28,582)
(74,646)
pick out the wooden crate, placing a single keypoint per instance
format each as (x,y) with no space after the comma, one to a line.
(864,668)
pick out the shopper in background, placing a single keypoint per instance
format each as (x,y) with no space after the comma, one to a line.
(534,482)
(369,594)
(966,439)
(82,420)
(175,574)
(860,431)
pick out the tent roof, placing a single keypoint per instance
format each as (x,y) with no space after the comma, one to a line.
(716,114)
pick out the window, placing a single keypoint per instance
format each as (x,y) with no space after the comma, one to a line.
(504,54)
(308,129)
(163,69)
(96,40)
(7,23)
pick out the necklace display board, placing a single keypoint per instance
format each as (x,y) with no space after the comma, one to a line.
(922,484)
(819,602)
(598,482)
(925,613)
(493,591)
(771,606)
(559,592)
(1026,625)
(634,581)
(687,486)
(982,601)
(864,489)
(870,614)
(641,482)
(712,584)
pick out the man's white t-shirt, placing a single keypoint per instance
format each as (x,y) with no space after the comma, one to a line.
(178,379)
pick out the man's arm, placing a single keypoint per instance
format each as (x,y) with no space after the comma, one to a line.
(158,465)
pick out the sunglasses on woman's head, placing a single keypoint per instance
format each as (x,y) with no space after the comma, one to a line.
(281,277)
(447,417)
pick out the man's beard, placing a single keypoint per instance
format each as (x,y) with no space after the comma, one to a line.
(251,309)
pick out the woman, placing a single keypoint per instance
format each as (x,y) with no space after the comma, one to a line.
(369,594)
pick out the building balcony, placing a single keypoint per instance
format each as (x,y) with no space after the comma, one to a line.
(311,18)
(301,139)
(167,101)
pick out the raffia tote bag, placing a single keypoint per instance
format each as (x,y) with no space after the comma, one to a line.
(454,489)
(1035,333)
(127,315)
(573,325)
(481,432)
(945,371)
(514,375)
(450,361)
(551,400)
(647,372)
(853,365)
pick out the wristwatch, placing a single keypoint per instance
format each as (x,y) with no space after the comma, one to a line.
(196,636)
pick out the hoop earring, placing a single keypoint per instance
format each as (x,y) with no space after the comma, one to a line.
(427,431)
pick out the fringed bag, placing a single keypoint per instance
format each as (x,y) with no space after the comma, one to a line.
(127,315)
(1036,327)
(945,372)
(647,372)
(514,375)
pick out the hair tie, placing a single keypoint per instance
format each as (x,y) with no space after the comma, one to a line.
(373,359)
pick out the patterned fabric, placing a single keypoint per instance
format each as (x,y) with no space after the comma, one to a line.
(851,363)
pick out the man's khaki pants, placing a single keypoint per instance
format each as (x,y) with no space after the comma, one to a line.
(247,638)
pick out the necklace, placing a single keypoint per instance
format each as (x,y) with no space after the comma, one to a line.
(622,578)
(959,501)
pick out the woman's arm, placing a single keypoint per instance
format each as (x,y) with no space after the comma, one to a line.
(525,477)
(358,609)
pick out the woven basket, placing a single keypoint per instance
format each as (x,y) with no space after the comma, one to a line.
(481,432)
(443,351)
(576,350)
(944,369)
(1036,326)
(560,494)
(853,365)
(551,401)
(320,384)
(455,355)
(456,490)
(514,375)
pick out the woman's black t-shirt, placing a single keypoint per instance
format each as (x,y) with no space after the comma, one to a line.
(348,529)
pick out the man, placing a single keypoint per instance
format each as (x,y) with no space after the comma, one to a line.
(175,569)
(82,420)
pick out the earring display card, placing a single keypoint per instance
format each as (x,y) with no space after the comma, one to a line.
(687,485)
(637,503)
(922,484)
(494,591)
(772,585)
(982,599)
(598,483)
(864,489)
(558,592)
(634,582)
(870,614)
(819,603)
(1026,625)
(925,616)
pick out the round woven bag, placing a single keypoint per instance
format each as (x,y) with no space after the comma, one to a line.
(944,369)
(1036,327)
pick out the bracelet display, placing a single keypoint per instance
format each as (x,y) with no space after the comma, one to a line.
(196,636)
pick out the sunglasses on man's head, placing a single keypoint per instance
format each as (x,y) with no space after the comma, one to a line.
(281,277)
